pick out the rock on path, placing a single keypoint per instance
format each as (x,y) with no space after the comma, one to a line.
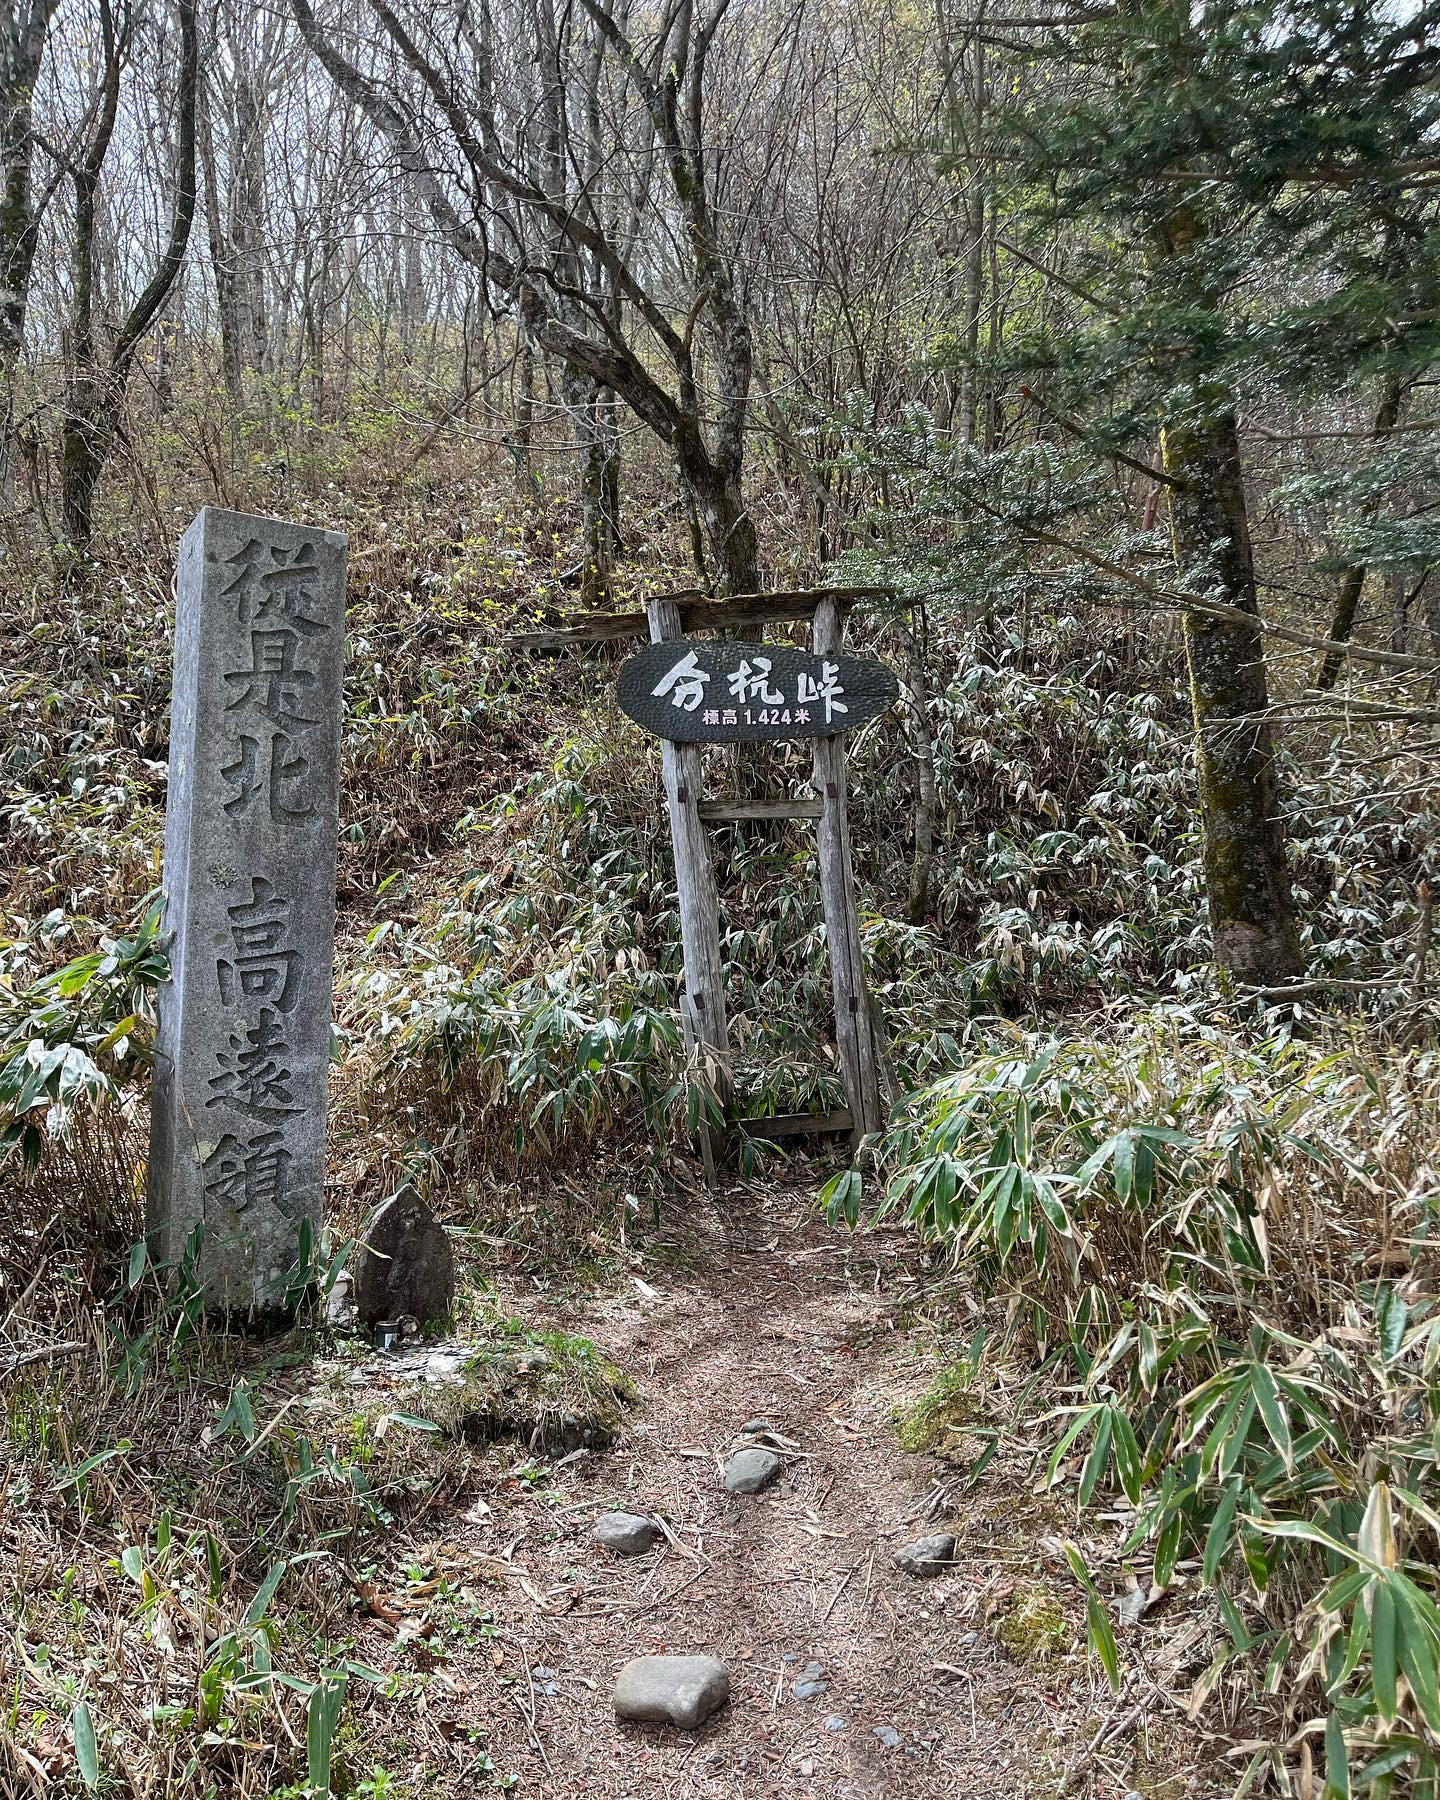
(624,1533)
(748,1471)
(928,1556)
(671,1690)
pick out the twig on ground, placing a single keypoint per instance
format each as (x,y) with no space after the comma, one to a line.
(530,1713)
(1114,1723)
(835,1597)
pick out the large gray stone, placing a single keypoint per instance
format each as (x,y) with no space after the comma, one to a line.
(671,1690)
(405,1267)
(243,1045)
(624,1533)
(748,1471)
(929,1556)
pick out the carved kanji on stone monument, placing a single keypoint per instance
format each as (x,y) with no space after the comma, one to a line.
(238,1122)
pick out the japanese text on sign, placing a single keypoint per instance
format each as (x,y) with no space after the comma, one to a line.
(717,691)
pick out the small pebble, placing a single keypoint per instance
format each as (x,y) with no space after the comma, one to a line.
(835,1723)
(809,1683)
(888,1736)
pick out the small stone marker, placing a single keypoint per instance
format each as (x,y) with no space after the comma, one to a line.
(671,1690)
(928,1556)
(624,1533)
(237,1138)
(406,1268)
(749,1471)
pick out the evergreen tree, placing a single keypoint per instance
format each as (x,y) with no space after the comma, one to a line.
(1244,193)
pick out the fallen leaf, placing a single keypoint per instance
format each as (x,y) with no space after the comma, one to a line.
(375,1605)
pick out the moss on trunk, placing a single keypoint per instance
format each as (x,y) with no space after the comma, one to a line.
(1252,918)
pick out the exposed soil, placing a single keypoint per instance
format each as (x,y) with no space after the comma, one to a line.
(781,1318)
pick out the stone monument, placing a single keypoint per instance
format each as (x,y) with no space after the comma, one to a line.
(405,1267)
(237,1141)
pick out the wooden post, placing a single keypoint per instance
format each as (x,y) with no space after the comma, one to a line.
(854,1034)
(702,1010)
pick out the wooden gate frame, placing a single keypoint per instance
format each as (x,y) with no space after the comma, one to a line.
(703,1015)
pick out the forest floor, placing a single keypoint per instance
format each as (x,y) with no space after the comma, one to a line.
(975,1683)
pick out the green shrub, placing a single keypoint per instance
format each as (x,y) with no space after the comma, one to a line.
(1211,1241)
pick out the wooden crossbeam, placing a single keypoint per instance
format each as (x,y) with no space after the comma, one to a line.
(831,1124)
(742,612)
(727,812)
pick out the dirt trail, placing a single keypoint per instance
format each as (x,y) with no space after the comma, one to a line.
(786,1320)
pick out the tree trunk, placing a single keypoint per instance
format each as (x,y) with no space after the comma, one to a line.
(22,47)
(607,413)
(1352,580)
(724,518)
(1252,920)
(232,360)
(92,417)
(521,441)
(581,402)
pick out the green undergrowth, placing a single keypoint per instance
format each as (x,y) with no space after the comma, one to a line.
(509,952)
(1212,1247)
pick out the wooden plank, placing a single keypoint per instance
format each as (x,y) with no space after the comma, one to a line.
(599,631)
(780,1125)
(854,1036)
(702,1010)
(717,812)
(742,613)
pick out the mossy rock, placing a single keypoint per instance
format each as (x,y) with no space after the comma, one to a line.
(551,1393)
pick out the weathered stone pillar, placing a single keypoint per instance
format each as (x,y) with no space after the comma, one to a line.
(237,1141)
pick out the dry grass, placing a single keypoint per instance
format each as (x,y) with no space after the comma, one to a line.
(155,1478)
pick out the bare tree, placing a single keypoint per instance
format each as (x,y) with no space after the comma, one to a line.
(521,207)
(99,376)
(244,59)
(24,30)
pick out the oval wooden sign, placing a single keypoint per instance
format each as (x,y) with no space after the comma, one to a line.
(710,691)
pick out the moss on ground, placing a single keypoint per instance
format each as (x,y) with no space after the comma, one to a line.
(553,1391)
(1034,1629)
(947,1408)
(547,1390)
